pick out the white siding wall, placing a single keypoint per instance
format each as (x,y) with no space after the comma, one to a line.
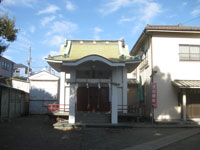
(166,63)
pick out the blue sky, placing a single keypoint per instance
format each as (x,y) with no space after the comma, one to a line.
(45,24)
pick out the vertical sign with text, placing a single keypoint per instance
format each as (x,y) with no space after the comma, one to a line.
(154,94)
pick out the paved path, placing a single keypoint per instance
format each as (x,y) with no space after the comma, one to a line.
(186,144)
(165,141)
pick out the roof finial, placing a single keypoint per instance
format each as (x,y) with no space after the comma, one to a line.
(180,25)
(123,43)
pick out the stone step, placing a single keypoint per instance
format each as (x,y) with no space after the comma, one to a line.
(92,117)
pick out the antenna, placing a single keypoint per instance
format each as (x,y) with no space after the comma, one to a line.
(29,61)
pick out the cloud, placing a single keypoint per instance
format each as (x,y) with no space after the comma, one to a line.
(52,53)
(32,29)
(4,10)
(60,15)
(151,10)
(49,10)
(56,40)
(145,9)
(123,19)
(62,28)
(137,28)
(195,12)
(97,30)
(10,51)
(70,6)
(46,20)
(184,4)
(16,3)
(21,44)
(26,3)
(114,5)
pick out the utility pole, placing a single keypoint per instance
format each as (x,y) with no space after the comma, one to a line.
(29,62)
(49,69)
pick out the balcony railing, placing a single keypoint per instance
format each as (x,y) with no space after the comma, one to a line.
(58,107)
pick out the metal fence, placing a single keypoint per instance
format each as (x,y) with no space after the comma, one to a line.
(13,102)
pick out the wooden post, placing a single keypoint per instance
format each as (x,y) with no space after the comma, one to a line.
(184,103)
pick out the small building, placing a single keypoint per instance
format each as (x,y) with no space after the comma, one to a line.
(6,67)
(93,76)
(170,71)
(44,89)
(20,70)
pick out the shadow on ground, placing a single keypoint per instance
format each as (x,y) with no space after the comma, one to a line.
(37,132)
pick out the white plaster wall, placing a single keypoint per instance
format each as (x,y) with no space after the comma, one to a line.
(166,63)
(117,75)
(116,94)
(72,98)
(131,75)
(43,90)
(21,85)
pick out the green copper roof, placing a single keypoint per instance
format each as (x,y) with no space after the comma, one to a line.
(76,49)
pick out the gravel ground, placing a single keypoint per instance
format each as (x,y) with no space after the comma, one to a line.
(37,132)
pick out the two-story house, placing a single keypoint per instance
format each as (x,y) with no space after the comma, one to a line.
(6,67)
(170,71)
(20,70)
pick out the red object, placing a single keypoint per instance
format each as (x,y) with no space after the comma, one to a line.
(57,107)
(154,94)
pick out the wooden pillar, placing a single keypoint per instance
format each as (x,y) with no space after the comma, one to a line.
(184,103)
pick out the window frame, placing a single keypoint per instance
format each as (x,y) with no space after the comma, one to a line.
(189,54)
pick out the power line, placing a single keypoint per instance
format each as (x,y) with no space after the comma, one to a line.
(38,67)
(192,19)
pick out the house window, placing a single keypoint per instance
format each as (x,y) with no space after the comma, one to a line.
(2,64)
(17,72)
(5,65)
(145,63)
(189,52)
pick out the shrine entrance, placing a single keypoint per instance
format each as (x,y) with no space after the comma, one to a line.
(93,99)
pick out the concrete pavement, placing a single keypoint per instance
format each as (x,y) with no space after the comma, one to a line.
(165,141)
